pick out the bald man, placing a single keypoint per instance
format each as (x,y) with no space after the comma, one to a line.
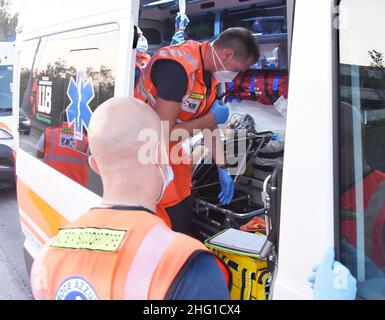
(121,249)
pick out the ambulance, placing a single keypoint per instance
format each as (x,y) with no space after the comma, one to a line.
(314,104)
(7,123)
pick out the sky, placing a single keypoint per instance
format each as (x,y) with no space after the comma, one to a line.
(16,5)
(362,29)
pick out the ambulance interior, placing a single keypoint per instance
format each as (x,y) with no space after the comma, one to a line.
(251,108)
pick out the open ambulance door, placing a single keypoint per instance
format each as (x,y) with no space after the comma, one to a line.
(68,63)
(251,98)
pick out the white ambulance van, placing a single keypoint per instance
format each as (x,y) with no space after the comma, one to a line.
(317,174)
(7,123)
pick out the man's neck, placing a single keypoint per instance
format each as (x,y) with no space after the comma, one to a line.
(144,202)
(206,57)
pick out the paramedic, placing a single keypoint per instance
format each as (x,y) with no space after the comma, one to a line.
(373,188)
(180,83)
(59,149)
(121,249)
(142,57)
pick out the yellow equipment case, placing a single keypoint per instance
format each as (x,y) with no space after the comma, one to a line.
(249,272)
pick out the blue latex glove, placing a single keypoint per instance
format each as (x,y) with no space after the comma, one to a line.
(220,112)
(227,186)
(332,280)
(177,38)
(181,21)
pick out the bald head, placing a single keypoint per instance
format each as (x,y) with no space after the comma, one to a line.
(120,129)
(115,127)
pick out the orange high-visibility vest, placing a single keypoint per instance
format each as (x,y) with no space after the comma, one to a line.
(66,154)
(195,104)
(373,187)
(142,61)
(114,254)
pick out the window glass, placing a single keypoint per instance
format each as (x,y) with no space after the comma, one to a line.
(265,20)
(152,35)
(6,73)
(269,24)
(199,28)
(362,144)
(64,77)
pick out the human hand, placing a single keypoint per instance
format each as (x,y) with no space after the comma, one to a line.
(331,280)
(177,38)
(181,21)
(220,112)
(227,186)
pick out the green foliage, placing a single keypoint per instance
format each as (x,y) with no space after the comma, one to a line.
(8,23)
(378,64)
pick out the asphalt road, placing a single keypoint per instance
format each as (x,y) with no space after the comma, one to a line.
(14,282)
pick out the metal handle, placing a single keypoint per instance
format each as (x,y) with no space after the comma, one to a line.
(251,214)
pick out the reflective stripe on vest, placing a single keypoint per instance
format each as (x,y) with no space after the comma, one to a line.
(180,54)
(146,261)
(145,266)
(166,54)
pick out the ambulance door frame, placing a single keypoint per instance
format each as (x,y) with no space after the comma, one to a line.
(336,130)
(356,101)
(273,255)
(299,206)
(127,79)
(290,7)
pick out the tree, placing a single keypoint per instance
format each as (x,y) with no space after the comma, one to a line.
(8,23)
(378,64)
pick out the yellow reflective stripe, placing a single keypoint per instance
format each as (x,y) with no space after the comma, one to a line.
(95,239)
(67,130)
(197,96)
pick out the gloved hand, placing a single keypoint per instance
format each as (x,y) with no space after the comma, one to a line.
(332,280)
(220,112)
(227,186)
(181,21)
(178,37)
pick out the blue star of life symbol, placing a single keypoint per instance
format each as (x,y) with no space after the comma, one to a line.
(81,93)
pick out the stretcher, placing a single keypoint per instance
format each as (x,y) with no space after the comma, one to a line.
(209,216)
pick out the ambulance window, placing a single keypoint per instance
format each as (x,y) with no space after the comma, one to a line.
(6,74)
(200,27)
(268,22)
(262,20)
(72,74)
(362,144)
(152,35)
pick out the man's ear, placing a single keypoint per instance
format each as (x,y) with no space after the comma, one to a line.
(228,54)
(93,165)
